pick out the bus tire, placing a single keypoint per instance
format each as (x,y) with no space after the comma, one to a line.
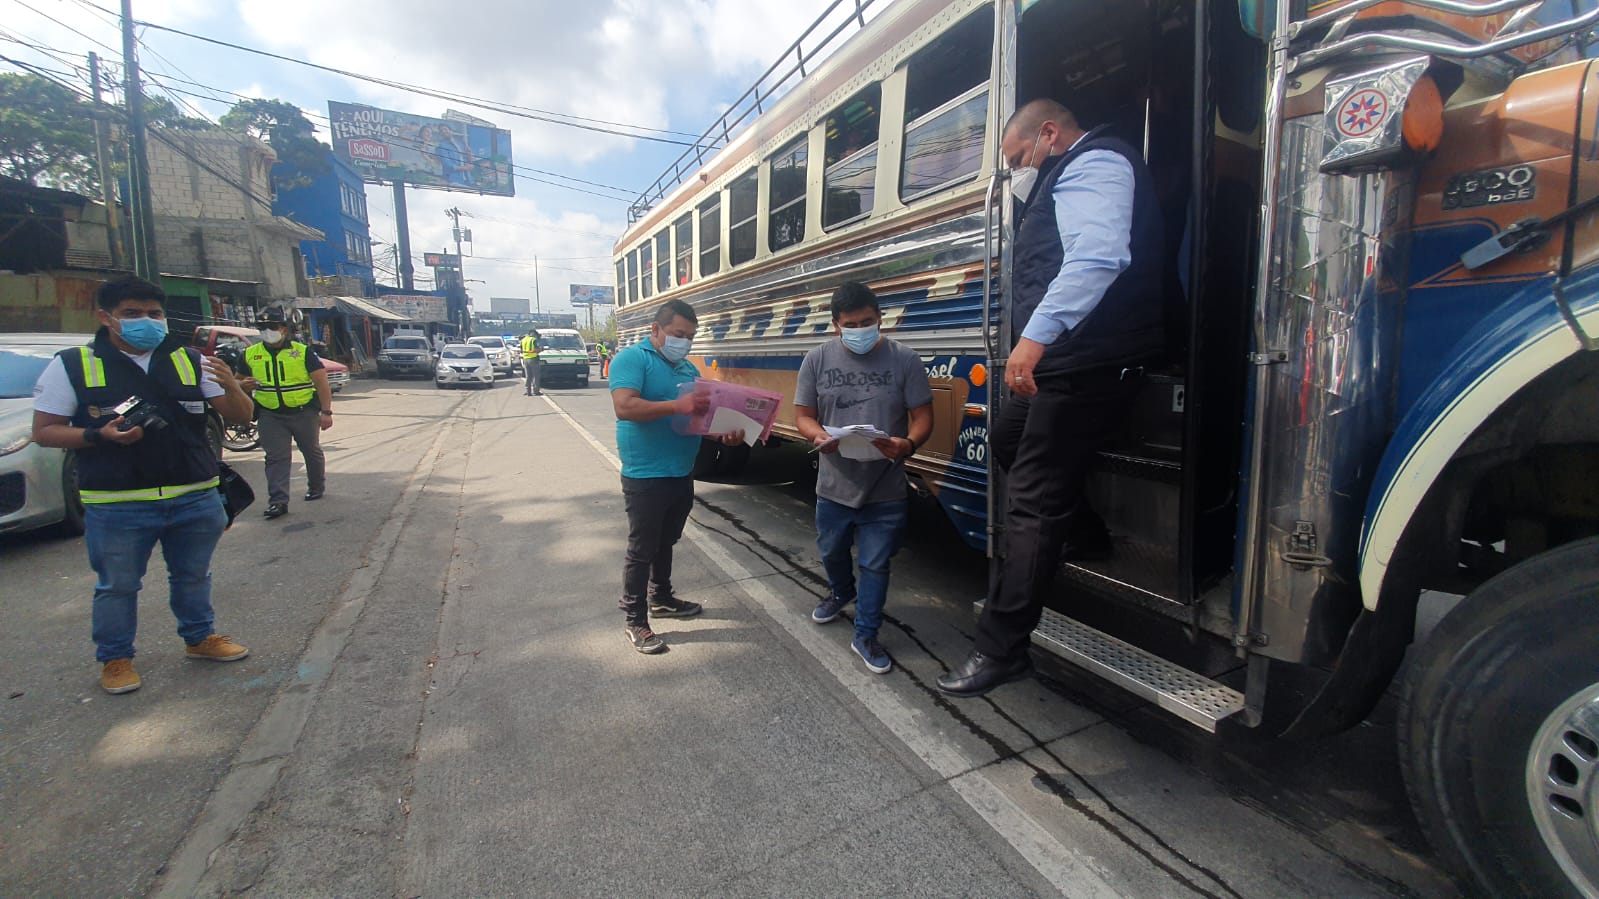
(1499,729)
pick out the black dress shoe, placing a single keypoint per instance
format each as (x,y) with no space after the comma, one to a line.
(275,510)
(979,674)
(314,494)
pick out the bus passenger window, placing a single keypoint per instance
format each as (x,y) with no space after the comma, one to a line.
(646,271)
(621,281)
(663,260)
(683,233)
(741,201)
(786,225)
(632,277)
(711,236)
(946,107)
(850,172)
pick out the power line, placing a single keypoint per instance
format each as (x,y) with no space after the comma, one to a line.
(493,106)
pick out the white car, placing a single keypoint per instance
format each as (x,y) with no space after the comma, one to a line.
(463,365)
(500,355)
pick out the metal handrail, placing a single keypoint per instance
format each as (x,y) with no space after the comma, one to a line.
(1447,49)
(748,104)
(1450,6)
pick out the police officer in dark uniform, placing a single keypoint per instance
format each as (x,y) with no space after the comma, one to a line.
(1087,285)
(132,406)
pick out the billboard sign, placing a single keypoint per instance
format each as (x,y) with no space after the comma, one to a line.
(517,305)
(417,308)
(441,260)
(593,295)
(384,145)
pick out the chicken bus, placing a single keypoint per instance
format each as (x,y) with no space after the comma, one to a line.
(1380,381)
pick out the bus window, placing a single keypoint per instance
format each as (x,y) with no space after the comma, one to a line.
(621,281)
(646,271)
(711,236)
(632,277)
(683,233)
(850,171)
(946,107)
(663,260)
(786,224)
(741,197)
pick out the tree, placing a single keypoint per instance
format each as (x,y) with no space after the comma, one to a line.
(46,134)
(161,111)
(283,126)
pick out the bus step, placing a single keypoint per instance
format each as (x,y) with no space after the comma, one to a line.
(1190,696)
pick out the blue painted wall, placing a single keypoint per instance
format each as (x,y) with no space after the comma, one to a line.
(335,204)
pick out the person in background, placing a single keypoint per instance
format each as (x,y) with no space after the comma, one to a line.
(1088,291)
(531,367)
(142,484)
(605,360)
(294,403)
(657,466)
(863,378)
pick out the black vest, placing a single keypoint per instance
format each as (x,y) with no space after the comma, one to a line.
(1126,326)
(178,454)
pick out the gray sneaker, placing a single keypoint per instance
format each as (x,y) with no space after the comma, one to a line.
(644,639)
(672,607)
(829,608)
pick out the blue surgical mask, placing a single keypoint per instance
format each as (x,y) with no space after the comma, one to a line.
(143,334)
(860,340)
(676,348)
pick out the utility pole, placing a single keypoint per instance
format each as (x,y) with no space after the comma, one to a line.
(145,264)
(113,219)
(536,307)
(455,214)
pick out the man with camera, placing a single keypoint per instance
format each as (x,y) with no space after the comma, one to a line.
(132,406)
(295,402)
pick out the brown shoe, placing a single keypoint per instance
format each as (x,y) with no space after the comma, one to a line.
(118,676)
(217,648)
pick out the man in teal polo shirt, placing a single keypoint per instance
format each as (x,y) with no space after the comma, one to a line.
(657,466)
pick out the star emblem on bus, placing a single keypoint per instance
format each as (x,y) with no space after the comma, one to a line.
(1362,113)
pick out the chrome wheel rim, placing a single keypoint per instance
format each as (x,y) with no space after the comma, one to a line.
(1563,787)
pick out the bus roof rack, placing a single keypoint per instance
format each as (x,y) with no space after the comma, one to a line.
(1511,37)
(770,84)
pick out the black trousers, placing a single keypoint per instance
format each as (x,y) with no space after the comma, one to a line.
(657,509)
(1045,444)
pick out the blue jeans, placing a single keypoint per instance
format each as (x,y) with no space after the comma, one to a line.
(120,537)
(875,531)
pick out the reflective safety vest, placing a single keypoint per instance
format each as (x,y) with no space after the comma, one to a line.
(282,378)
(167,462)
(605,351)
(530,347)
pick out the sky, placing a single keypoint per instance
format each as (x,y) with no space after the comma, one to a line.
(673,65)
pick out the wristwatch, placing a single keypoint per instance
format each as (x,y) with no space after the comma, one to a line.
(325,412)
(92,436)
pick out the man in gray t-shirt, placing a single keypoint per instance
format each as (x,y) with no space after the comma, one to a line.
(862,378)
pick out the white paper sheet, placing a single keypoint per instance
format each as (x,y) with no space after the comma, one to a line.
(726,420)
(855,441)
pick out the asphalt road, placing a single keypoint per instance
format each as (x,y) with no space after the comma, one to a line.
(440,701)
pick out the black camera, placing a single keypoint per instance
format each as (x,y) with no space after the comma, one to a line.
(137,412)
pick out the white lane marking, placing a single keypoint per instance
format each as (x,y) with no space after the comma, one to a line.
(1072,872)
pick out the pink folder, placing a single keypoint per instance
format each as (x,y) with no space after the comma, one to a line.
(751,402)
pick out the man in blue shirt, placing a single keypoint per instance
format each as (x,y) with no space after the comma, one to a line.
(1087,291)
(657,465)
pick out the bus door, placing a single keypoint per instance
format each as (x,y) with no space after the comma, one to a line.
(1166,486)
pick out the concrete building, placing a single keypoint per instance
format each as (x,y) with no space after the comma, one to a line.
(333,202)
(212,192)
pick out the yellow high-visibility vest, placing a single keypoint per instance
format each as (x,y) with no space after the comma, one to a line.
(282,378)
(530,347)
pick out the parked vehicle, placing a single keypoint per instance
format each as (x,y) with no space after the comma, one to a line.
(1381,307)
(405,355)
(463,365)
(39,484)
(209,338)
(564,356)
(500,355)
